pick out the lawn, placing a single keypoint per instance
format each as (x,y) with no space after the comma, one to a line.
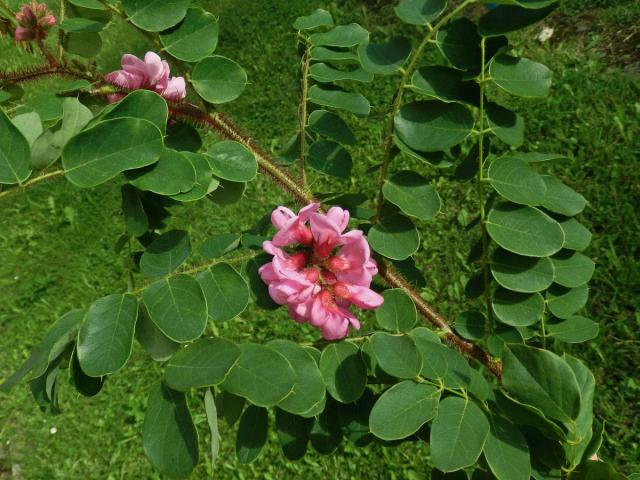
(57,241)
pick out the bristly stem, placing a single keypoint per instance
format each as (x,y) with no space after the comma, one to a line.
(481,197)
(397,99)
(61,15)
(303,111)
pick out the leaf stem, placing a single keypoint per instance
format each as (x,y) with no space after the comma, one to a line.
(204,266)
(397,99)
(303,111)
(33,181)
(481,198)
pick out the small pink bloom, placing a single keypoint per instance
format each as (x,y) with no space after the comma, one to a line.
(152,73)
(328,272)
(34,21)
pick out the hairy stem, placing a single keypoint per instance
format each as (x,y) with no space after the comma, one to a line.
(394,279)
(397,99)
(20,76)
(61,15)
(303,112)
(481,196)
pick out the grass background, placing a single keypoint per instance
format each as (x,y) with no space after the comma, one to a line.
(57,241)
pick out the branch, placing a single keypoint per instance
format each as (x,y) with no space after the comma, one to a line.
(397,99)
(33,181)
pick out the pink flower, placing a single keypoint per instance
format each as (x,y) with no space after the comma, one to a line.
(152,73)
(34,21)
(325,272)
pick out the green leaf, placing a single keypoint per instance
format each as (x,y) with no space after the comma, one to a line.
(471,325)
(323,54)
(82,25)
(171,175)
(261,375)
(542,379)
(433,126)
(508,126)
(354,419)
(218,245)
(520,76)
(524,230)
(384,58)
(135,217)
(403,409)
(169,437)
(517,309)
(91,4)
(181,136)
(523,414)
(47,105)
(204,363)
(458,434)
(156,343)
(344,372)
(507,19)
(319,18)
(581,435)
(341,36)
(444,83)
(15,153)
(232,161)
(212,420)
(516,181)
(572,269)
(330,158)
(48,147)
(165,254)
(351,102)
(205,183)
(102,152)
(58,337)
(231,406)
(85,44)
(398,312)
(575,329)
(226,292)
(30,126)
(502,335)
(309,394)
(143,104)
(435,159)
(252,434)
(595,470)
(506,451)
(459,42)
(521,274)
(419,12)
(396,355)
(332,126)
(563,302)
(105,339)
(413,194)
(177,306)
(561,198)
(194,38)
(218,79)
(576,236)
(83,383)
(440,363)
(395,237)
(325,434)
(155,15)
(293,434)
(323,73)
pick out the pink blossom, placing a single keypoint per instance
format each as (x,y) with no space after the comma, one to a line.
(152,73)
(322,272)
(34,21)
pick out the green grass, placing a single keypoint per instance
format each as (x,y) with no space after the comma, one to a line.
(57,245)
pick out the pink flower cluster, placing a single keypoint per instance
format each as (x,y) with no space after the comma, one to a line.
(152,73)
(325,271)
(34,20)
